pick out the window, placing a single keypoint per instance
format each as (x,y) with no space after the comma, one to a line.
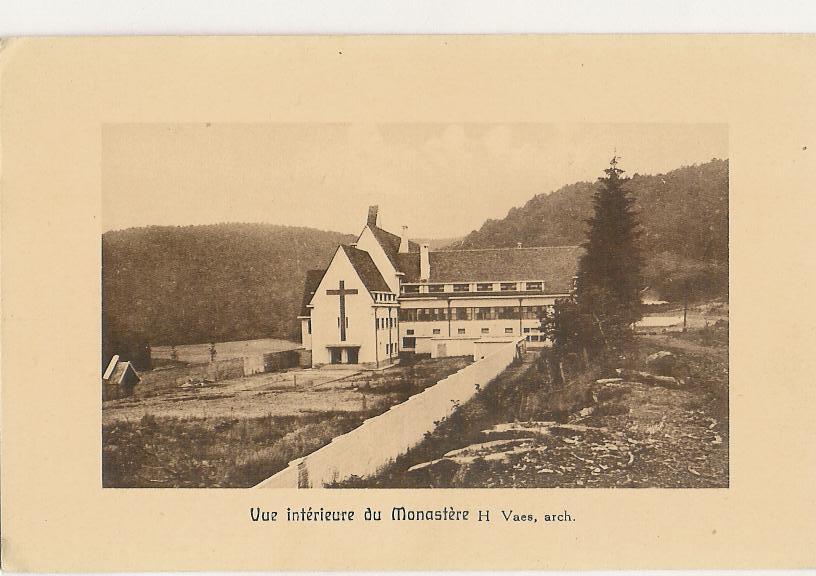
(485,330)
(533,285)
(409,332)
(409,343)
(408,315)
(436,287)
(436,331)
(508,313)
(507,286)
(482,313)
(508,330)
(460,331)
(526,330)
(410,289)
(309,326)
(485,287)
(461,287)
(461,313)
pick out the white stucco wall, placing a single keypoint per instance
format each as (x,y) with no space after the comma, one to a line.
(368,242)
(472,328)
(305,336)
(326,310)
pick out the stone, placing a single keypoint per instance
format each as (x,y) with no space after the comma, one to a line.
(662,363)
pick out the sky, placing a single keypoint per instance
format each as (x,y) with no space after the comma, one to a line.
(440,180)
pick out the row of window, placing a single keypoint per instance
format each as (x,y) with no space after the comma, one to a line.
(460,331)
(385,297)
(480,287)
(391,349)
(438,331)
(472,313)
(383,323)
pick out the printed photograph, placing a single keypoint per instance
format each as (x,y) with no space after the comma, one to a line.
(415,306)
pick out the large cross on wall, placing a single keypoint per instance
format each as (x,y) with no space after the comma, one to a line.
(342,291)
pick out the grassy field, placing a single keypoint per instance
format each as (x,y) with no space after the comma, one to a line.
(235,433)
(197,353)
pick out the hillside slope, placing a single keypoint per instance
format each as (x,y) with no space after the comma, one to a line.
(177,285)
(684,214)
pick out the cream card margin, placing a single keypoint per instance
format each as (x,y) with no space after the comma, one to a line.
(57,94)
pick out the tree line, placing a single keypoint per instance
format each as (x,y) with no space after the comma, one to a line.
(684,227)
(165,285)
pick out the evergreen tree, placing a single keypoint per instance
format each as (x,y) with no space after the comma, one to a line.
(610,272)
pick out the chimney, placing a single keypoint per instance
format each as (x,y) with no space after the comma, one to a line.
(424,264)
(403,248)
(372,216)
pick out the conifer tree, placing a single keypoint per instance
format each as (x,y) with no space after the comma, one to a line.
(610,271)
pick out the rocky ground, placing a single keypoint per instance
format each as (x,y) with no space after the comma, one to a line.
(664,424)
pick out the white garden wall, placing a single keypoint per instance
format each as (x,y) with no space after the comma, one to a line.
(379,440)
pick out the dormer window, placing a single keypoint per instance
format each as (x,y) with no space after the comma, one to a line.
(508,286)
(435,288)
(461,287)
(484,287)
(533,285)
(410,289)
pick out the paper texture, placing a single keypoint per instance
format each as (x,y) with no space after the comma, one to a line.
(81,130)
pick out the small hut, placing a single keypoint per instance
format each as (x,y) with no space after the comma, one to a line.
(119,379)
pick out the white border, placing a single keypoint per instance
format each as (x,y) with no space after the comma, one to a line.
(224,17)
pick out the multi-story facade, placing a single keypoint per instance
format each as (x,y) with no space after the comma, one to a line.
(385,295)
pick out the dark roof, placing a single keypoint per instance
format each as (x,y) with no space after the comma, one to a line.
(313,278)
(408,264)
(555,265)
(390,244)
(366,269)
(122,370)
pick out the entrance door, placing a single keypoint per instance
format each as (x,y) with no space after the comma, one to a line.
(336,357)
(353,355)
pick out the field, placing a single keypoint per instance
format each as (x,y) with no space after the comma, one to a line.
(197,353)
(235,433)
(669,318)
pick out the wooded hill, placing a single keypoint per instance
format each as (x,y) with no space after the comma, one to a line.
(177,285)
(684,217)
(193,284)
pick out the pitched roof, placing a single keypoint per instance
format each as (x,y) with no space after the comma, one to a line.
(555,265)
(390,244)
(366,269)
(408,264)
(119,372)
(313,278)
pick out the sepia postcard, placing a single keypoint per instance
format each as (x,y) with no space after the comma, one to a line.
(407,303)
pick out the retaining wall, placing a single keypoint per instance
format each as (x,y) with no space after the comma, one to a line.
(379,440)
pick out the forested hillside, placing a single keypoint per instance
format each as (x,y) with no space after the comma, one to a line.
(176,285)
(684,217)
